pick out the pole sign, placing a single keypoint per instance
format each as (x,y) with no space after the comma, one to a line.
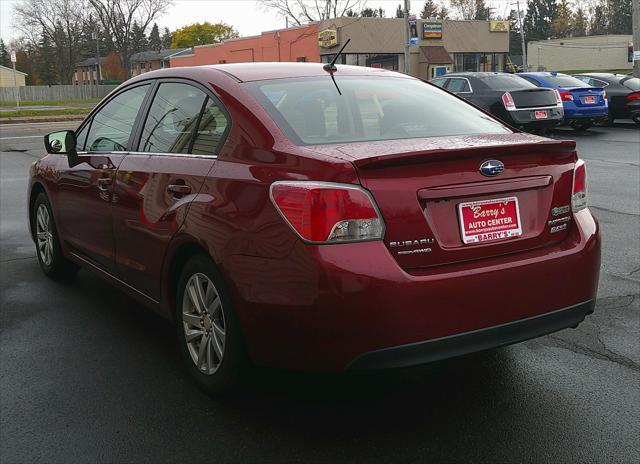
(413,30)
(13,56)
(431,29)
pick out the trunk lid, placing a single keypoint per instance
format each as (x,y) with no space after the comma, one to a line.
(533,98)
(419,185)
(587,97)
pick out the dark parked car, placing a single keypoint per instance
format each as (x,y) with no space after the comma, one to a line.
(279,216)
(583,104)
(508,97)
(623,93)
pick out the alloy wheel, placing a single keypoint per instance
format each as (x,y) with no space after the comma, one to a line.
(43,235)
(203,323)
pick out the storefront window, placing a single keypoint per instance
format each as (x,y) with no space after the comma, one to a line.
(474,62)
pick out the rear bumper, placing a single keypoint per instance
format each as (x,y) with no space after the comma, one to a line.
(478,340)
(341,302)
(527,117)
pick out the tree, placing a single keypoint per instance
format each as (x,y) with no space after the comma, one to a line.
(139,42)
(368,13)
(444,13)
(430,9)
(304,11)
(167,38)
(61,21)
(579,23)
(46,62)
(465,8)
(537,22)
(155,43)
(598,23)
(562,24)
(619,17)
(112,68)
(5,59)
(399,12)
(515,41)
(202,34)
(118,16)
(482,11)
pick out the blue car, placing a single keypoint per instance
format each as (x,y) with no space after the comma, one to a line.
(583,105)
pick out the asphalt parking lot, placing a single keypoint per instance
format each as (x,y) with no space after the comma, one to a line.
(88,375)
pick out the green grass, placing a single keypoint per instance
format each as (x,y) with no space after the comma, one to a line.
(88,101)
(26,113)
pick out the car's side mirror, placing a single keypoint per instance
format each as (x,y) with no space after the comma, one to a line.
(62,143)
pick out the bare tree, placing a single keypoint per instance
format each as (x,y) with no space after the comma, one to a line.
(466,9)
(61,22)
(118,18)
(305,11)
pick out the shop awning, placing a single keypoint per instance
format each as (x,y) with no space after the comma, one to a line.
(436,54)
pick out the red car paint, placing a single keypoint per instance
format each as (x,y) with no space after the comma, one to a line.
(321,307)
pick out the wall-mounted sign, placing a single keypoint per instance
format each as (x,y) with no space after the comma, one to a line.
(431,29)
(328,38)
(498,26)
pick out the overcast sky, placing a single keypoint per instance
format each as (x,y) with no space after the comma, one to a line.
(248,17)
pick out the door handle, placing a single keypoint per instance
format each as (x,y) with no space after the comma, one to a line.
(178,190)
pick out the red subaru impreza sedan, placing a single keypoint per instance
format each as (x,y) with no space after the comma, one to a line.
(320,219)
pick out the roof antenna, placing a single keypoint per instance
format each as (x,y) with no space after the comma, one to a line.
(331,67)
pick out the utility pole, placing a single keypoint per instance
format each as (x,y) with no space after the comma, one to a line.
(407,37)
(635,20)
(524,45)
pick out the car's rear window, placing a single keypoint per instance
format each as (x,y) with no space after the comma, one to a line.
(506,82)
(632,83)
(312,111)
(562,80)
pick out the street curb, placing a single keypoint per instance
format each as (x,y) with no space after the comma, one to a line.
(61,118)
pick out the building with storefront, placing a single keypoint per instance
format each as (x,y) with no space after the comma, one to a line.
(439,46)
(592,53)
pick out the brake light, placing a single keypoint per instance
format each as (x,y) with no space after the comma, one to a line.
(558,98)
(508,102)
(633,96)
(323,212)
(579,195)
(565,97)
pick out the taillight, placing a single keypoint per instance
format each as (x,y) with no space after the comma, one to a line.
(565,97)
(633,96)
(558,97)
(323,212)
(508,102)
(579,195)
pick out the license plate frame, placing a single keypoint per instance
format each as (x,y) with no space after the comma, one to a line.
(589,100)
(471,219)
(541,114)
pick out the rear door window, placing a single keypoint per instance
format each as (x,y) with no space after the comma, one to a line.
(112,125)
(172,119)
(440,82)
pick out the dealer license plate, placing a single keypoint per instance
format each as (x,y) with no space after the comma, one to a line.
(542,115)
(589,100)
(487,220)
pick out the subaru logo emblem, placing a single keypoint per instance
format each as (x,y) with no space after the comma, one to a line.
(491,168)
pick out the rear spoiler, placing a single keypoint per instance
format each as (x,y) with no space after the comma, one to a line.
(415,157)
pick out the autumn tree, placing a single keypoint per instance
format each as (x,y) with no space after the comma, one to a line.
(117,17)
(305,11)
(202,34)
(112,68)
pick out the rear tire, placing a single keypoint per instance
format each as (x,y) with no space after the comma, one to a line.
(208,331)
(635,117)
(45,234)
(580,126)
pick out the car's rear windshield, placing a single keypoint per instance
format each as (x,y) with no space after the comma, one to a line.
(632,83)
(506,82)
(313,111)
(562,80)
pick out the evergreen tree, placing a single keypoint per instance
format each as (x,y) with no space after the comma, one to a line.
(579,23)
(155,43)
(540,16)
(619,17)
(5,58)
(46,61)
(598,24)
(139,41)
(482,11)
(167,38)
(562,25)
(399,12)
(430,10)
(515,42)
(444,13)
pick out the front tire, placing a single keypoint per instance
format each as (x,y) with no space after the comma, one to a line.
(208,331)
(52,261)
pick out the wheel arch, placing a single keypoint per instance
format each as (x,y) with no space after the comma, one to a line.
(36,189)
